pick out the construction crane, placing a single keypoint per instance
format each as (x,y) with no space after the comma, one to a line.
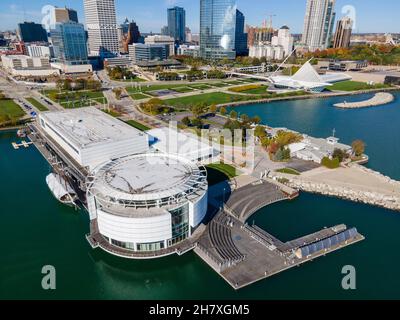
(270,25)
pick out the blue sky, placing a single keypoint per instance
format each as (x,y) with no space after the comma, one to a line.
(372,15)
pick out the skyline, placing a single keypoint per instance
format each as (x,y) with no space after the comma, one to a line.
(151,17)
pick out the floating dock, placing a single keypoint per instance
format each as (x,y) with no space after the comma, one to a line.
(23,144)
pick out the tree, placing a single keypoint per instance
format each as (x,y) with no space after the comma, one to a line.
(259,132)
(197,110)
(186,121)
(256,120)
(245,118)
(213,109)
(233,114)
(340,154)
(222,111)
(118,93)
(358,147)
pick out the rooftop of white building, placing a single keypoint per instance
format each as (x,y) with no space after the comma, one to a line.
(86,127)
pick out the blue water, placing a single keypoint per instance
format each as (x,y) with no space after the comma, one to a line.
(35,230)
(378,126)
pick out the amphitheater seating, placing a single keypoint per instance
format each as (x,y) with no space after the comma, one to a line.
(221,239)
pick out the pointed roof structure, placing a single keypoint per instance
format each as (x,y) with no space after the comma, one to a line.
(307,73)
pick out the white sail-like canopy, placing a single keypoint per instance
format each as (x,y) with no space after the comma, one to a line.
(59,187)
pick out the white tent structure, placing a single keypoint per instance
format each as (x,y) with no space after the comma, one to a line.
(307,79)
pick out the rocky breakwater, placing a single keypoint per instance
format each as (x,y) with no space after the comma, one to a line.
(387,197)
(379,99)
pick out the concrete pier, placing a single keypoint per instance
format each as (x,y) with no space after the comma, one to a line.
(243,254)
(381,98)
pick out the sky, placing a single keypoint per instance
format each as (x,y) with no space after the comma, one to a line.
(371,15)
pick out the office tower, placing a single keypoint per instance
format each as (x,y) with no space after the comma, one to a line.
(343,33)
(101,23)
(177,24)
(284,39)
(164,40)
(32,32)
(131,36)
(69,43)
(240,35)
(139,52)
(217,29)
(164,31)
(65,15)
(318,24)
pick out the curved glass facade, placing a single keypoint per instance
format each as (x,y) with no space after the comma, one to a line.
(217,29)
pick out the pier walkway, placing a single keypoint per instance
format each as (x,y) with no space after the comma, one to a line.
(243,254)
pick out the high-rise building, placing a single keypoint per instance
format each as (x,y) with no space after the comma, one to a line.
(258,35)
(69,43)
(139,52)
(217,29)
(132,36)
(240,35)
(164,40)
(65,15)
(343,33)
(318,24)
(101,23)
(164,31)
(32,32)
(177,24)
(284,39)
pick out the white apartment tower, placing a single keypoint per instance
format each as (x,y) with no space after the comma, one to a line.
(101,23)
(284,39)
(318,24)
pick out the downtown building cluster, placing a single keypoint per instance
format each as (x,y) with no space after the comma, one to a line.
(70,46)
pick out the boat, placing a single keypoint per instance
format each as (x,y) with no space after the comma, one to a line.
(21,133)
(61,189)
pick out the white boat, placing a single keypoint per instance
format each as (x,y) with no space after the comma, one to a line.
(61,189)
(21,133)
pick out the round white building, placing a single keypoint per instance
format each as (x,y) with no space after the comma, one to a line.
(147,203)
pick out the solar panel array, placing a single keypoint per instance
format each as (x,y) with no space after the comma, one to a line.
(329,242)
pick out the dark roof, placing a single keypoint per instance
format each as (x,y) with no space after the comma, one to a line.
(285,27)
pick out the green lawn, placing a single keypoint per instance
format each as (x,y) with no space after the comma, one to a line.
(260,90)
(76,99)
(226,169)
(9,110)
(137,125)
(355,86)
(139,96)
(200,86)
(289,171)
(37,104)
(184,89)
(206,98)
(218,84)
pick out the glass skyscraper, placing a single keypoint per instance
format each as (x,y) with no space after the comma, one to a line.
(217,29)
(177,24)
(241,36)
(69,42)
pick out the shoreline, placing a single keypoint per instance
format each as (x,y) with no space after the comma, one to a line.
(306,97)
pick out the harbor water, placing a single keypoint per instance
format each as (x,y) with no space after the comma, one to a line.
(36,230)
